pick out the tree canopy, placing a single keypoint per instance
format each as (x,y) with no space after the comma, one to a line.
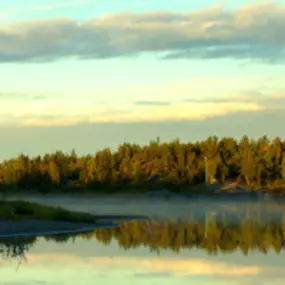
(257,163)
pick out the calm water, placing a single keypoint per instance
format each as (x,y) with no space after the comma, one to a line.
(184,243)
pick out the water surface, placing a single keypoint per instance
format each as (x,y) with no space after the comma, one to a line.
(183,243)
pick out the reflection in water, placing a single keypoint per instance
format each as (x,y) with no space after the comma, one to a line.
(194,249)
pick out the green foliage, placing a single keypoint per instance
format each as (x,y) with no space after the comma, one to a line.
(16,210)
(256,163)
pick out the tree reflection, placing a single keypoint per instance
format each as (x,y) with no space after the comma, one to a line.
(246,230)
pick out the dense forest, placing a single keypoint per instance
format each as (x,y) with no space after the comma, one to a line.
(257,163)
(251,229)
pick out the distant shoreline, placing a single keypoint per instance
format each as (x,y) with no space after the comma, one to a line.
(11,228)
(187,191)
(143,197)
(183,168)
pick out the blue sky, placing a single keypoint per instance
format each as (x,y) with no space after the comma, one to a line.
(15,10)
(68,66)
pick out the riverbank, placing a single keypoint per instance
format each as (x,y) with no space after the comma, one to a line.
(22,218)
(19,209)
(10,228)
(212,192)
(144,189)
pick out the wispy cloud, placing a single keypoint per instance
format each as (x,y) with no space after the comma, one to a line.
(39,97)
(254,31)
(152,103)
(153,274)
(11,96)
(267,101)
(152,266)
(216,100)
(43,114)
(46,110)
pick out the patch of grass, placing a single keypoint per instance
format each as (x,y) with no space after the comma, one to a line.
(17,210)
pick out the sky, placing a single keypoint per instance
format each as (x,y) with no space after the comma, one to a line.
(89,74)
(89,262)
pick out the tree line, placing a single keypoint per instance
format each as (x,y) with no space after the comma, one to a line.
(257,163)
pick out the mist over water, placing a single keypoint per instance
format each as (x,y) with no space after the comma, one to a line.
(173,208)
(200,241)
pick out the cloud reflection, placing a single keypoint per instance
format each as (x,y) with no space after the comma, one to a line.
(173,266)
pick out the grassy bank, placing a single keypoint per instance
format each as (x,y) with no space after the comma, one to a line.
(17,210)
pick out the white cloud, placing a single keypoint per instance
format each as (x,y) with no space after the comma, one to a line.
(255,31)
(42,113)
(177,266)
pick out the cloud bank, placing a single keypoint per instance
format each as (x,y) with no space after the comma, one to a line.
(265,101)
(152,103)
(124,269)
(44,114)
(41,110)
(254,31)
(173,266)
